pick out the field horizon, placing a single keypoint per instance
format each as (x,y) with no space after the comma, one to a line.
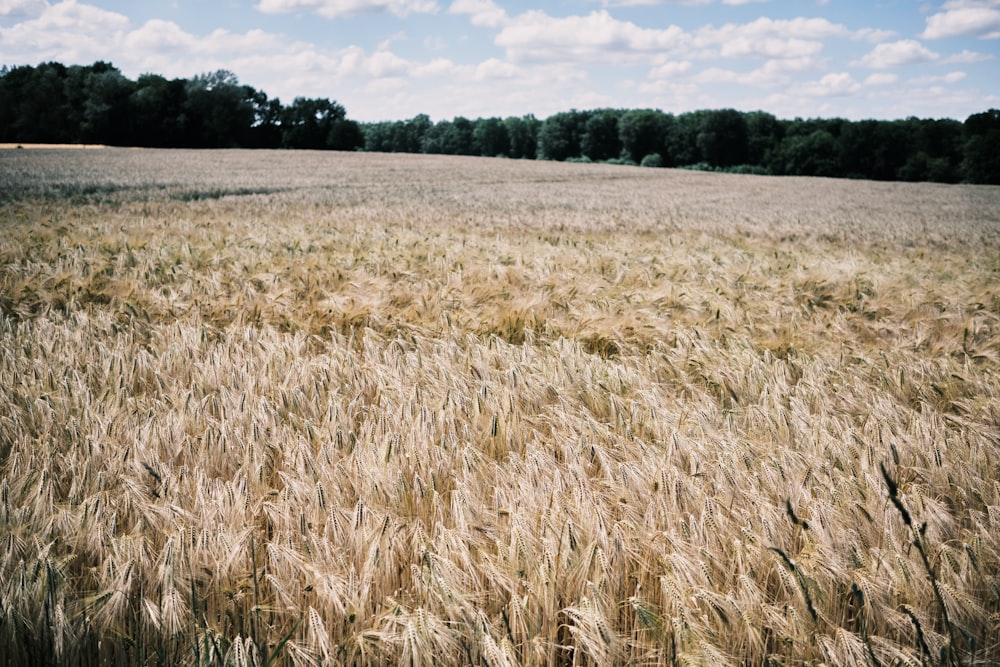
(293,407)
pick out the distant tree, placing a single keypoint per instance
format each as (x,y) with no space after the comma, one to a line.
(408,136)
(265,130)
(155,111)
(436,139)
(379,136)
(96,103)
(764,133)
(722,138)
(490,137)
(872,149)
(643,132)
(220,111)
(981,163)
(318,123)
(813,154)
(105,107)
(600,140)
(450,137)
(32,105)
(682,138)
(523,136)
(560,134)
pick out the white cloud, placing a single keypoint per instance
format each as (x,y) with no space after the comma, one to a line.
(895,54)
(798,28)
(772,74)
(949,78)
(21,8)
(334,8)
(596,37)
(881,79)
(964,20)
(716,75)
(649,3)
(770,47)
(66,32)
(494,68)
(670,69)
(483,13)
(967,56)
(157,36)
(832,85)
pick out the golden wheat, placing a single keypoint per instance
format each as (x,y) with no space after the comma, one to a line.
(300,408)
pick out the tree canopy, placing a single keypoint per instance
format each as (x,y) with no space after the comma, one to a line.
(914,149)
(97,104)
(53,103)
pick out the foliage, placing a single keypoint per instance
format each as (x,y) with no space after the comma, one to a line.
(52,103)
(652,160)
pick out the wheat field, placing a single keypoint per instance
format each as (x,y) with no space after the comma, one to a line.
(293,408)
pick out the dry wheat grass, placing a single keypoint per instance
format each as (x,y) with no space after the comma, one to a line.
(363,409)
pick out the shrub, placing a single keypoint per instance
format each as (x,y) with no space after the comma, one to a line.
(652,160)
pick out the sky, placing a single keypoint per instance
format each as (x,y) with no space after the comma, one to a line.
(394,59)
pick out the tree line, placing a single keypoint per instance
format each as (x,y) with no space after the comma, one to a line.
(913,149)
(54,103)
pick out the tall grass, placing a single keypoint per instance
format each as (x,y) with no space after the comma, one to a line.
(366,409)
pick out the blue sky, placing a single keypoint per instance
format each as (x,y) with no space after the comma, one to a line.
(393,59)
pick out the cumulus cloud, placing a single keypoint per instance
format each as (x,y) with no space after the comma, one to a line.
(881,79)
(334,8)
(896,54)
(965,18)
(648,3)
(798,28)
(949,78)
(596,37)
(832,85)
(771,47)
(775,73)
(670,69)
(967,56)
(67,32)
(483,13)
(22,8)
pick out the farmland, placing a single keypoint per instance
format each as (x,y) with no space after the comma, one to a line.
(299,408)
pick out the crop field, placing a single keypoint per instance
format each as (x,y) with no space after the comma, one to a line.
(295,408)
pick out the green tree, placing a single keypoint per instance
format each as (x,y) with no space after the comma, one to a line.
(318,123)
(981,163)
(408,136)
(32,105)
(764,133)
(218,115)
(644,132)
(523,135)
(600,140)
(813,154)
(560,134)
(872,149)
(105,107)
(155,109)
(491,137)
(722,138)
(682,139)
